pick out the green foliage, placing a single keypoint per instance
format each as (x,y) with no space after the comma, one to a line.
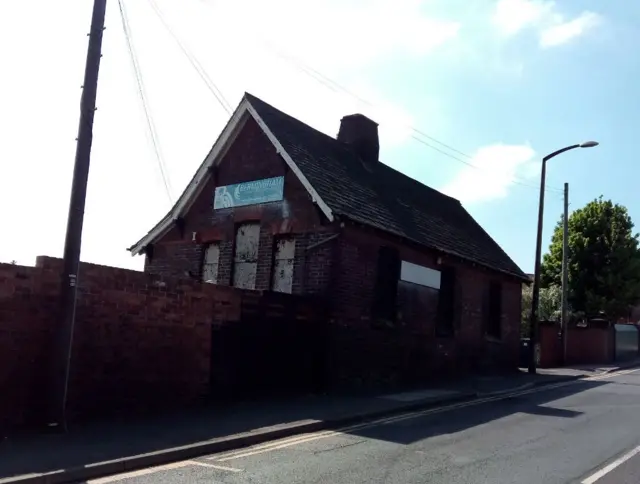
(604,259)
(549,305)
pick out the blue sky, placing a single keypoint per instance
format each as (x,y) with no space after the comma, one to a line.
(495,84)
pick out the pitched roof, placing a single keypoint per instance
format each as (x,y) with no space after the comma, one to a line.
(379,196)
(374,194)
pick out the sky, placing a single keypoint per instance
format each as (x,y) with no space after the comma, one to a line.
(469,95)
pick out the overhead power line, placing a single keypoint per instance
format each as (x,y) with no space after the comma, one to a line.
(143,98)
(193,60)
(417,134)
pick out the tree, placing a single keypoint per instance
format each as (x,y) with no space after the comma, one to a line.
(550,303)
(604,260)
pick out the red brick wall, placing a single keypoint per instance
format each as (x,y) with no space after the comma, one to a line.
(412,348)
(27,305)
(550,345)
(592,345)
(250,157)
(139,342)
(144,343)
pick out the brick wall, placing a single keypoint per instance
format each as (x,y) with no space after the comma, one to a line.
(144,342)
(27,305)
(550,344)
(410,352)
(140,342)
(593,344)
(250,157)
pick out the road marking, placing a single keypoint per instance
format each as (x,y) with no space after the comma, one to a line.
(607,469)
(153,470)
(279,443)
(141,472)
(214,466)
(311,437)
(308,437)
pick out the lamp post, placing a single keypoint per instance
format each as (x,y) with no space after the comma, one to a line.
(533,322)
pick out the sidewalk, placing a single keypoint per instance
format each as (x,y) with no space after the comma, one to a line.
(109,448)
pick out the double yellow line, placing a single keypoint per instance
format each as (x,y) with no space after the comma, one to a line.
(311,437)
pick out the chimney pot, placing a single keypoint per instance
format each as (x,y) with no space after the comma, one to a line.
(361,133)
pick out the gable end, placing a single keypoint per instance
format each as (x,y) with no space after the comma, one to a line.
(204,172)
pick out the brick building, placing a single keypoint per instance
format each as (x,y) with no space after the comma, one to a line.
(277,205)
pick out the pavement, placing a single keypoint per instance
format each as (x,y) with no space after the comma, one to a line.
(111,448)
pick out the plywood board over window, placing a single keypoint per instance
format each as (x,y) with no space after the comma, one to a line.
(385,302)
(493,310)
(245,260)
(211,263)
(420,275)
(282,276)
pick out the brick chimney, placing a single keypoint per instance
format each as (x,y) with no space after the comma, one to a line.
(362,134)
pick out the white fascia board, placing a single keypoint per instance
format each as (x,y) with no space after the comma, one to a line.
(292,165)
(227,136)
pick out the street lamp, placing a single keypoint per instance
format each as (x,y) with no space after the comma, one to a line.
(533,322)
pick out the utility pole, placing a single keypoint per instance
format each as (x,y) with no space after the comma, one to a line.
(535,296)
(565,273)
(75,220)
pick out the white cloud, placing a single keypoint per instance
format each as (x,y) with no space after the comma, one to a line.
(551,26)
(564,32)
(341,33)
(126,195)
(495,168)
(512,16)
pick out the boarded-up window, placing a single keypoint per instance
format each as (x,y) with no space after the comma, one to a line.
(386,286)
(493,310)
(211,263)
(446,302)
(282,276)
(245,259)
(423,276)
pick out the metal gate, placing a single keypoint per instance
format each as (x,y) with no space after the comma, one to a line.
(278,347)
(627,341)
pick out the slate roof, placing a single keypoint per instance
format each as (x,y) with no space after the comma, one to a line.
(382,197)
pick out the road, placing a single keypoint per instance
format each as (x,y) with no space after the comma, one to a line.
(582,432)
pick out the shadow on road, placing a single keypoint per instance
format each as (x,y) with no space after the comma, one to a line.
(461,419)
(114,440)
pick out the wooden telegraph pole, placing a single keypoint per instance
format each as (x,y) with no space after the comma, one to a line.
(75,220)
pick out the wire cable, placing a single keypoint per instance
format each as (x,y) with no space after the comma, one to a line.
(417,134)
(143,97)
(193,60)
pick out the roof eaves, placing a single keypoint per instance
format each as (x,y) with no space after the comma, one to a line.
(520,276)
(315,197)
(196,183)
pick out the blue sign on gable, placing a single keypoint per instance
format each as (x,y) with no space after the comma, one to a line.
(249,193)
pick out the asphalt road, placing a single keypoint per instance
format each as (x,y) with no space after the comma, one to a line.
(584,432)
